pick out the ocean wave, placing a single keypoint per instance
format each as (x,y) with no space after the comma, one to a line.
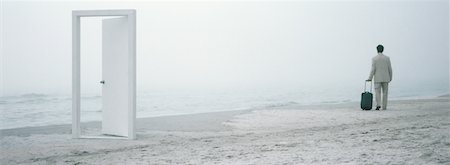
(282,104)
(33,95)
(32,99)
(28,98)
(27,95)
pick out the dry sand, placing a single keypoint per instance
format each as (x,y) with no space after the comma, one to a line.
(409,132)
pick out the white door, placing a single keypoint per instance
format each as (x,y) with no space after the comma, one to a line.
(115,81)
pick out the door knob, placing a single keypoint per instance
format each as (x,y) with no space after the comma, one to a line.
(102,82)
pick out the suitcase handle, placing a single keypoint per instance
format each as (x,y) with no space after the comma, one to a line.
(365,86)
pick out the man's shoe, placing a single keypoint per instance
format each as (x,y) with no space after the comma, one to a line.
(378,108)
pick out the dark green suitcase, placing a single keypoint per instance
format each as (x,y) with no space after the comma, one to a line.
(367,97)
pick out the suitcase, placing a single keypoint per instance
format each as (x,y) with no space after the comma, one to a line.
(367,97)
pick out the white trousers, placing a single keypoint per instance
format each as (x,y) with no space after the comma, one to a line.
(381,86)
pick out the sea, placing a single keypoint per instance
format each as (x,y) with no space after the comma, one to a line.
(41,109)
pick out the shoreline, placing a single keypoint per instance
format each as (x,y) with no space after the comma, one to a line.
(409,132)
(59,127)
(158,120)
(142,124)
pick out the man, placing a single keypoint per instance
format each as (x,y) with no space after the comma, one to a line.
(381,72)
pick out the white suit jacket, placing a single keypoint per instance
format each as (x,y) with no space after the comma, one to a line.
(381,69)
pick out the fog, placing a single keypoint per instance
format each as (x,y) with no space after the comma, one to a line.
(290,44)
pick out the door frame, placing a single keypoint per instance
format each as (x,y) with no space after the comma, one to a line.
(131,16)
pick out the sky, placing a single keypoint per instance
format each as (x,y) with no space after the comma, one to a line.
(230,44)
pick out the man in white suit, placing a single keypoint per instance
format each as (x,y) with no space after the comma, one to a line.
(381,72)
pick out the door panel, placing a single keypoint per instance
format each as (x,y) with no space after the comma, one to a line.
(115,76)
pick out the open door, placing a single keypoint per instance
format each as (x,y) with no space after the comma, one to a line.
(118,73)
(115,72)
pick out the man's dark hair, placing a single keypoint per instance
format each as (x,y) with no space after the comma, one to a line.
(380,48)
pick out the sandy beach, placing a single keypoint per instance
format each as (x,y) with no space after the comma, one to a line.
(414,131)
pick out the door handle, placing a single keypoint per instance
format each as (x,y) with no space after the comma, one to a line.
(102,82)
